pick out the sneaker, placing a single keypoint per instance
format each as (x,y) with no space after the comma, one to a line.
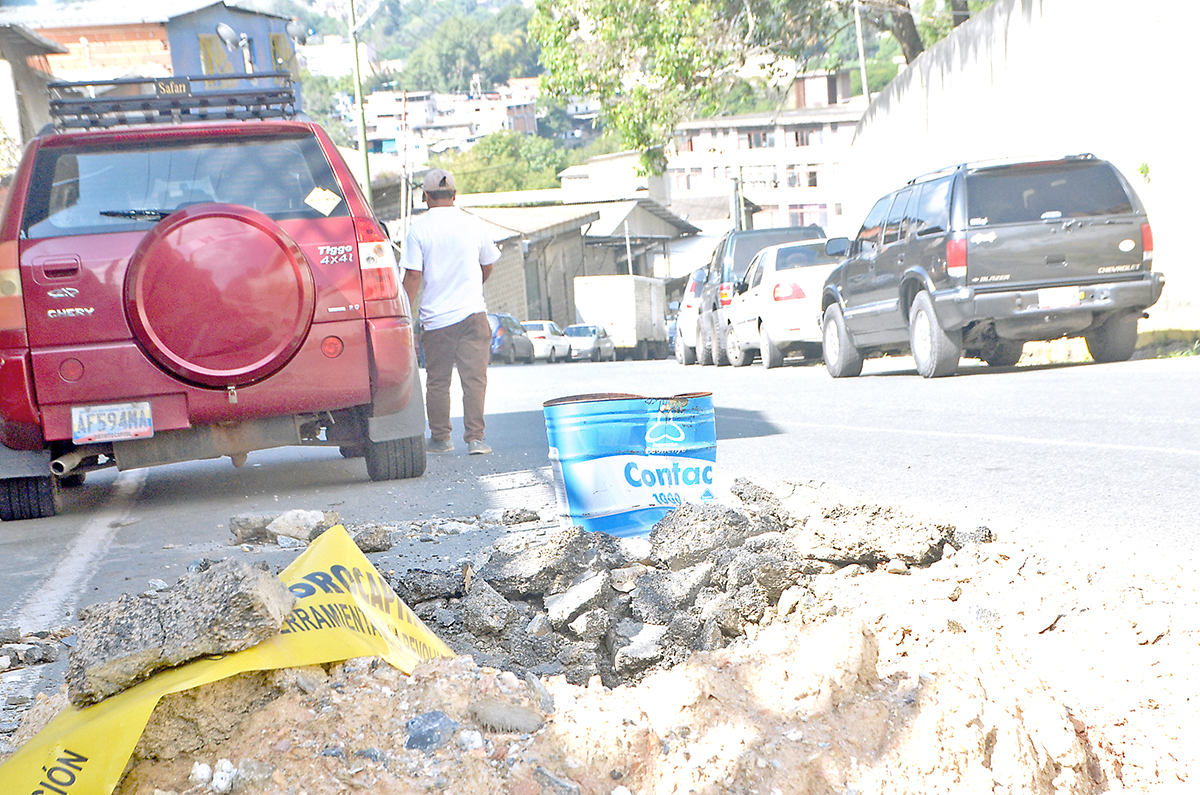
(439,446)
(478,447)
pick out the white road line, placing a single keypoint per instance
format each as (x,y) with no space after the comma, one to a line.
(54,598)
(985,437)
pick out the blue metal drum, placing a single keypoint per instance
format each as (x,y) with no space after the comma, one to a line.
(621,462)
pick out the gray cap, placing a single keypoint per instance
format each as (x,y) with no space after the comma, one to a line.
(439,180)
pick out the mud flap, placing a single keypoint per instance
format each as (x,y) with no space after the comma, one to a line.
(406,423)
(24,463)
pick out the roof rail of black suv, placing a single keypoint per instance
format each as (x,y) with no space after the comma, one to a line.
(171,100)
(986,164)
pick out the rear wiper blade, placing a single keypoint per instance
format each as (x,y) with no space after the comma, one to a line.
(149,215)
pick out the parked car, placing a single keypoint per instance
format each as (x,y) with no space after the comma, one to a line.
(687,323)
(776,309)
(549,342)
(191,290)
(728,267)
(977,259)
(509,340)
(590,342)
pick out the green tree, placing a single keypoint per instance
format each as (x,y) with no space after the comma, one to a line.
(505,161)
(495,48)
(652,63)
(320,95)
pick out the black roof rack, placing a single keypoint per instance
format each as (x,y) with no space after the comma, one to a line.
(155,100)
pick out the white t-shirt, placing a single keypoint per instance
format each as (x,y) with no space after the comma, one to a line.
(449,248)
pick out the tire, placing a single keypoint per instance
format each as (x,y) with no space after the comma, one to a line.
(842,359)
(684,353)
(935,350)
(737,356)
(768,351)
(396,459)
(551,359)
(613,356)
(510,356)
(1006,353)
(719,354)
(703,348)
(596,354)
(1115,341)
(28,498)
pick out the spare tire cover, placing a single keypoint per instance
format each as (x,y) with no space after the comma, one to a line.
(219,295)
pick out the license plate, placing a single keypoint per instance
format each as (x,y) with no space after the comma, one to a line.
(1058,297)
(113,423)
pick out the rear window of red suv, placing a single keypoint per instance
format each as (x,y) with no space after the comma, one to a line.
(91,189)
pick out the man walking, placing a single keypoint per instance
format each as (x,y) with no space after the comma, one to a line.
(452,253)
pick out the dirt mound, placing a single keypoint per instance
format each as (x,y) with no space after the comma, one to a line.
(880,653)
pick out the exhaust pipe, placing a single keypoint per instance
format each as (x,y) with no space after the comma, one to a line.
(65,464)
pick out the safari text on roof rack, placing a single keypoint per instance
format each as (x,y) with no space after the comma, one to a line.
(148,100)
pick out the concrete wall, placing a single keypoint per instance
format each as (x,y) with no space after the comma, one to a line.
(1046,78)
(504,291)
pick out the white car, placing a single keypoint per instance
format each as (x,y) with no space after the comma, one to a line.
(687,327)
(776,308)
(549,342)
(591,342)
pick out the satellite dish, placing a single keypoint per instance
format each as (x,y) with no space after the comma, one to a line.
(228,35)
(296,31)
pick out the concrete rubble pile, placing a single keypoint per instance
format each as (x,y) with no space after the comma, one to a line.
(734,649)
(584,604)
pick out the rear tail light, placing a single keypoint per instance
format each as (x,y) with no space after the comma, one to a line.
(377,260)
(1147,243)
(786,292)
(956,257)
(726,293)
(12,307)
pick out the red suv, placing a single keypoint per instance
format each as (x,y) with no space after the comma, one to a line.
(189,274)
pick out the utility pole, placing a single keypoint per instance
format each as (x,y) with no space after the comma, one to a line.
(862,50)
(358,101)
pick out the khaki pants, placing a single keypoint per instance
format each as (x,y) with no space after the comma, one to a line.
(467,345)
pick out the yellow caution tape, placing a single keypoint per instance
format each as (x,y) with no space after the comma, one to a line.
(345,610)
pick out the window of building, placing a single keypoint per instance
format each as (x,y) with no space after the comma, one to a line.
(808,136)
(283,55)
(766,176)
(759,139)
(808,215)
(812,179)
(214,59)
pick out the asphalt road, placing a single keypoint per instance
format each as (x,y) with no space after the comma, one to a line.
(1097,461)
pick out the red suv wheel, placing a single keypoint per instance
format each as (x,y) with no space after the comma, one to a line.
(214,319)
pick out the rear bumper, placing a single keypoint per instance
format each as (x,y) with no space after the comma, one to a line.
(957,308)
